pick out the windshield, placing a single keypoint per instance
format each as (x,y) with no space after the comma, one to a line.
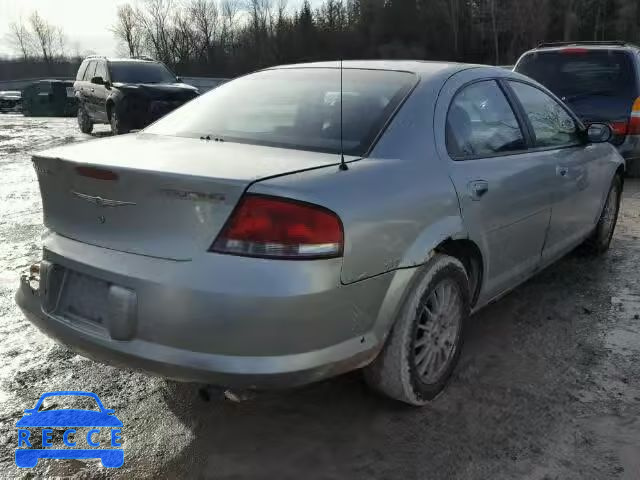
(575,73)
(140,72)
(294,108)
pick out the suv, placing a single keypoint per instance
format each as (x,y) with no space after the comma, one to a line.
(600,81)
(126,93)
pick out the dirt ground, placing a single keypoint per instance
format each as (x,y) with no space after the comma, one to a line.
(547,387)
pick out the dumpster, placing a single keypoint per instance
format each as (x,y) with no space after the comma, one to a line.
(49,98)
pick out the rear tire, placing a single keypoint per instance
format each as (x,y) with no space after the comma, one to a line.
(424,345)
(117,126)
(600,240)
(84,121)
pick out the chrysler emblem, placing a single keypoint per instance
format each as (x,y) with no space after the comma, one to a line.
(102,202)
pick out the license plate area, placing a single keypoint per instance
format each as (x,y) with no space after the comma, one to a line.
(84,299)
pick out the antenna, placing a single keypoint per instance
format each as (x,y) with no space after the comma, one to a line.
(343,164)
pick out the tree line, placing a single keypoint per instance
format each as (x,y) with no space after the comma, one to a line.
(231,37)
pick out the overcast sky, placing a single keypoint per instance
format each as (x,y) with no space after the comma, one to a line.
(85,22)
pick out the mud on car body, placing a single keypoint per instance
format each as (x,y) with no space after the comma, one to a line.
(127,93)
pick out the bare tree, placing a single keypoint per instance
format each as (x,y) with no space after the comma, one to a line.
(21,39)
(494,29)
(453,10)
(155,22)
(205,16)
(127,30)
(48,39)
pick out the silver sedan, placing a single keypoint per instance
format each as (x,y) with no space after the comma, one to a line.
(304,221)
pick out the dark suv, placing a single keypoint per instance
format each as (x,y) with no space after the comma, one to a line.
(600,81)
(127,93)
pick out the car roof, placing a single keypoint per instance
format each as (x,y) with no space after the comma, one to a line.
(122,59)
(422,68)
(132,60)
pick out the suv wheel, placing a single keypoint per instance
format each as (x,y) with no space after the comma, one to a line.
(600,239)
(84,122)
(424,345)
(117,126)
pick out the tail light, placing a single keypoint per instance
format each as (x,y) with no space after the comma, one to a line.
(573,50)
(97,173)
(273,227)
(634,119)
(619,128)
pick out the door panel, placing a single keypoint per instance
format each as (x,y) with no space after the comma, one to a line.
(511,219)
(577,193)
(505,191)
(579,197)
(100,93)
(87,89)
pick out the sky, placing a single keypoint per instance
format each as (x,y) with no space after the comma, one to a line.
(86,23)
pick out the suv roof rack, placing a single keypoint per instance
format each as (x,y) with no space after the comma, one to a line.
(95,56)
(617,43)
(144,57)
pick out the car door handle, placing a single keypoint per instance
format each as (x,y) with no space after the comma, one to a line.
(477,188)
(562,171)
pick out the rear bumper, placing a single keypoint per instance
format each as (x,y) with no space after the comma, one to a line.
(261,339)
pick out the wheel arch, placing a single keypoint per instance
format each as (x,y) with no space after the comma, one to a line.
(461,248)
(110,106)
(470,255)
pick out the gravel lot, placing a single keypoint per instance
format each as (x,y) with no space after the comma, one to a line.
(547,387)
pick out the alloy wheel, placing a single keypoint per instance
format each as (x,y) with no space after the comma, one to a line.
(438,324)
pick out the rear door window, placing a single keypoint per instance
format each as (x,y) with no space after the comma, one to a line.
(101,71)
(552,125)
(481,123)
(81,70)
(89,73)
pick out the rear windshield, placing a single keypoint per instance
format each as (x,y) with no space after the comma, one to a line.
(294,108)
(140,72)
(574,73)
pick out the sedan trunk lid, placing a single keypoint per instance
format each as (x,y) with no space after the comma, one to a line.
(159,196)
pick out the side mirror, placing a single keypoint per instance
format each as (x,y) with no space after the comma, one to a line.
(97,80)
(599,133)
(179,79)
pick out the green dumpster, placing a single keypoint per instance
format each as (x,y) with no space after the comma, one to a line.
(49,98)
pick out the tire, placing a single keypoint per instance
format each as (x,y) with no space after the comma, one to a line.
(406,369)
(84,121)
(600,240)
(117,125)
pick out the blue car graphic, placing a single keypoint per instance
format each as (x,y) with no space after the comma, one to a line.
(69,418)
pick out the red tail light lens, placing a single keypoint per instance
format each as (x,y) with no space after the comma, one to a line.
(272,227)
(97,173)
(573,50)
(619,128)
(634,119)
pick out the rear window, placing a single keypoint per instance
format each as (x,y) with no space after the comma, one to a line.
(140,72)
(294,108)
(575,72)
